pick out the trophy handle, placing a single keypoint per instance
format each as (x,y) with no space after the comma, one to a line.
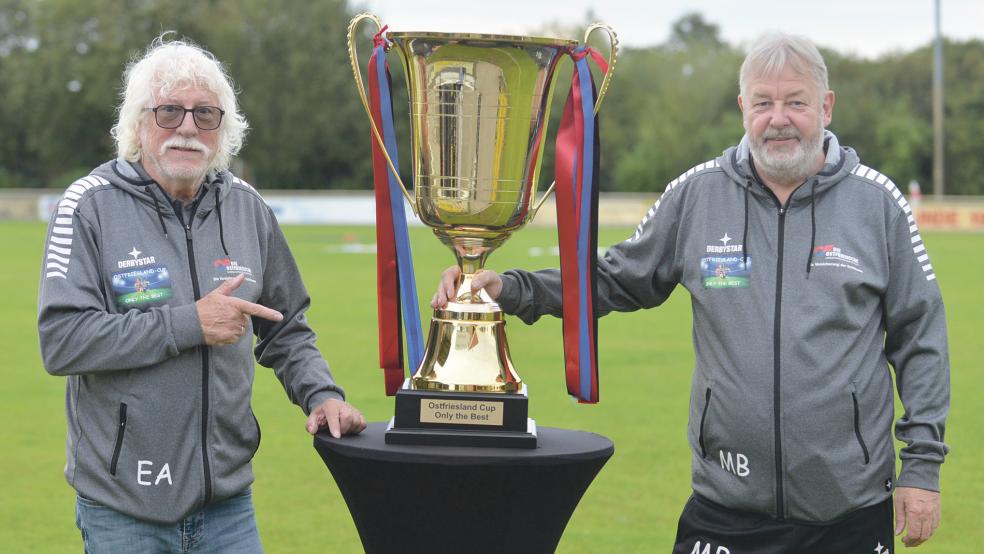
(613,53)
(357,74)
(539,203)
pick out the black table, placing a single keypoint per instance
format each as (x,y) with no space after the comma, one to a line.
(436,499)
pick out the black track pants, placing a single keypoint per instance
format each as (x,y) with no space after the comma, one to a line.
(707,528)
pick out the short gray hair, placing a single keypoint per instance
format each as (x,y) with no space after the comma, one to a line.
(172,65)
(775,51)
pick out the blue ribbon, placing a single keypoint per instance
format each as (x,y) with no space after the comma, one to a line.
(404,261)
(584,225)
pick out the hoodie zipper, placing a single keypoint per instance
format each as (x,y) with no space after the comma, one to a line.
(776,365)
(777,318)
(204,349)
(205,368)
(782,210)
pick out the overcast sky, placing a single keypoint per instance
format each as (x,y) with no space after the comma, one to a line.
(866,27)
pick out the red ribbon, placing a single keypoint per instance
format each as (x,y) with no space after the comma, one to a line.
(387,282)
(569,173)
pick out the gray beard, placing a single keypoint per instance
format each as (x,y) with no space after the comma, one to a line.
(788,168)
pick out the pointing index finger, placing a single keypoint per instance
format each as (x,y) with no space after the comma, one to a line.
(250,308)
(228,286)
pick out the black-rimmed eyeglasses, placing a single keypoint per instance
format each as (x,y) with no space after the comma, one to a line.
(170,116)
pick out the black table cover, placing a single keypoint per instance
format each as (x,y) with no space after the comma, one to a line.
(437,499)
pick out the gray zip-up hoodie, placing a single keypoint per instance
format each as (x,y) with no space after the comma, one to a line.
(798,311)
(159,424)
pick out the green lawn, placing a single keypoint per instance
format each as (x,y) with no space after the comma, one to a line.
(645,358)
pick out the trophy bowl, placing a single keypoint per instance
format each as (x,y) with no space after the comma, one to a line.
(478,110)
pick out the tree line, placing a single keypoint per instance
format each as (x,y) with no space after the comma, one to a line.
(671,106)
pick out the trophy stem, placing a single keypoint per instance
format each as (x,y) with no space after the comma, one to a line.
(463,287)
(471,266)
(471,254)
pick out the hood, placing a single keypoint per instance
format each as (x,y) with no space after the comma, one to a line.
(133,179)
(737,164)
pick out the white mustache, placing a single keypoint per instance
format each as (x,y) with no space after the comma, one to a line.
(185,143)
(784,133)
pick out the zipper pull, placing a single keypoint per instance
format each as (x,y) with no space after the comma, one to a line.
(188,232)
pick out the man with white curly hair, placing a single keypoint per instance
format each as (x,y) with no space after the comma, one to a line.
(159,267)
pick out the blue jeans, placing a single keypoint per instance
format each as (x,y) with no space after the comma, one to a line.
(226,526)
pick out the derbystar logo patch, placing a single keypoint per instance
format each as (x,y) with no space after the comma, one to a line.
(136,260)
(830,255)
(724,247)
(725,266)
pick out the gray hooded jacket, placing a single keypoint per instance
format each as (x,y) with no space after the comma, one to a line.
(798,311)
(159,424)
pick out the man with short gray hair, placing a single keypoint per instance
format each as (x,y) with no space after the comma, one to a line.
(808,279)
(159,268)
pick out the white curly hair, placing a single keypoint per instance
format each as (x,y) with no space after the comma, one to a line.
(167,66)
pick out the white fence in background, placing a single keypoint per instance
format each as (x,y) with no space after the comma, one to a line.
(952,213)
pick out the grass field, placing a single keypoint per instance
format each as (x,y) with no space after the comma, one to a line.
(645,358)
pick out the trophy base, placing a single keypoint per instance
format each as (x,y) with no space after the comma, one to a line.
(436,418)
(467,352)
(451,437)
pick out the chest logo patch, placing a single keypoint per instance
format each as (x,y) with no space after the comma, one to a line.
(830,255)
(725,266)
(142,285)
(140,280)
(725,272)
(227,268)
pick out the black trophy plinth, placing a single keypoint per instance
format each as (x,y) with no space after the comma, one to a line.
(442,418)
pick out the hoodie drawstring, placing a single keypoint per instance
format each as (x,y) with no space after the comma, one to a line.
(157,208)
(744,234)
(813,226)
(218,212)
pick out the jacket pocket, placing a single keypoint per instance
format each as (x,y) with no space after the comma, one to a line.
(703,418)
(120,429)
(259,434)
(857,426)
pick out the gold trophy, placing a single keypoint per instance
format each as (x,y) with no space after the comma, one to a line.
(479,105)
